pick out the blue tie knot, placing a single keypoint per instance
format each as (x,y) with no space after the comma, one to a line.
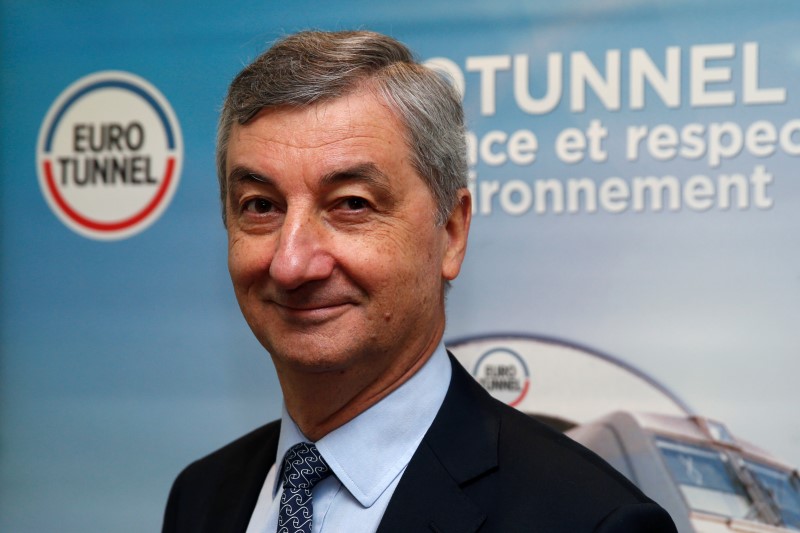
(303,466)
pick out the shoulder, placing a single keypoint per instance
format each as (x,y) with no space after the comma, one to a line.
(223,486)
(528,450)
(534,448)
(562,485)
(238,454)
(544,479)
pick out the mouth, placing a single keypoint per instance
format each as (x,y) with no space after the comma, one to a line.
(311,313)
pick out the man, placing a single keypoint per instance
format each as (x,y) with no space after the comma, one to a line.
(342,176)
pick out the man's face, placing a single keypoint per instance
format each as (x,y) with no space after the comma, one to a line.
(335,256)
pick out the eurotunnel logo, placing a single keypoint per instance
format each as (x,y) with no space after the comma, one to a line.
(109,155)
(504,374)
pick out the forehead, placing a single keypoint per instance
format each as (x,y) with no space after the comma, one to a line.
(352,127)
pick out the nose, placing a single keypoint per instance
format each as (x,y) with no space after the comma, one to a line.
(302,253)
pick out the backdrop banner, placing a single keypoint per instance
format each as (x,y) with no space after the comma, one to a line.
(636,206)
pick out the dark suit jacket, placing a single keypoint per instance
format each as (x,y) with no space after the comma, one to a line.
(482,466)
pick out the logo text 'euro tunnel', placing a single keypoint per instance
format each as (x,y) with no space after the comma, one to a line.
(504,374)
(109,155)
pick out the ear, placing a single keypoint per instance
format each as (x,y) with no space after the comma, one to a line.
(457,229)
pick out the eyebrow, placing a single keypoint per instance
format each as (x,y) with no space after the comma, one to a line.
(242,174)
(368,173)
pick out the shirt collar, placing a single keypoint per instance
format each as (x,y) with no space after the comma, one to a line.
(370,451)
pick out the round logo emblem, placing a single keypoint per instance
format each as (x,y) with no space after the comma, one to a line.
(109,155)
(504,374)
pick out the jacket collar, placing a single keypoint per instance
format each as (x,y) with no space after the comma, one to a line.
(460,446)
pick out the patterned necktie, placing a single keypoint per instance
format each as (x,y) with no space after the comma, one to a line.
(303,467)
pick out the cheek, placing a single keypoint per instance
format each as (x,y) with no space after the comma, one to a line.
(245,261)
(399,262)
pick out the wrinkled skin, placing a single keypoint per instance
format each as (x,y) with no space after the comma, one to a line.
(335,256)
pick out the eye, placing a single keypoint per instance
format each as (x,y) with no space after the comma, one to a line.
(354,203)
(258,206)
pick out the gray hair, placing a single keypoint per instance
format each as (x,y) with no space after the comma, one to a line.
(314,66)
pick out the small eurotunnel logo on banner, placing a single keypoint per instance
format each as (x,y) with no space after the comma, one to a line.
(504,374)
(109,155)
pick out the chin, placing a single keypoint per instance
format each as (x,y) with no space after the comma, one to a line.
(313,356)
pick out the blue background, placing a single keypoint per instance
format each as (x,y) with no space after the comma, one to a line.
(123,361)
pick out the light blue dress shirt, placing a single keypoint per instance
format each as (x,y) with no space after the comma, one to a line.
(368,455)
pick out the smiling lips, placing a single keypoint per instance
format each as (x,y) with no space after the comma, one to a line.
(310,310)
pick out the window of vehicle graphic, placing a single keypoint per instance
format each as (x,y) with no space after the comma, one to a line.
(706,479)
(784,488)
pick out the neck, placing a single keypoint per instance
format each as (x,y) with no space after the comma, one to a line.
(320,402)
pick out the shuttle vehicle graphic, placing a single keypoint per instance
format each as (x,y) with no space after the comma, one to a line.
(709,480)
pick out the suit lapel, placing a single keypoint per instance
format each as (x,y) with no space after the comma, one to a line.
(428,499)
(460,446)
